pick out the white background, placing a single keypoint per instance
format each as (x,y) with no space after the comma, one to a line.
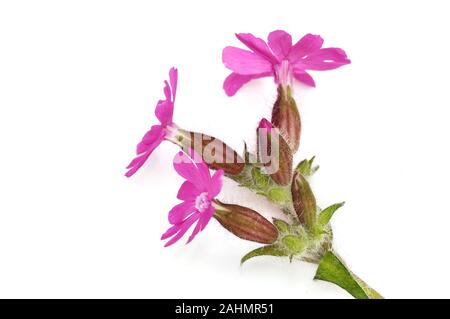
(78,84)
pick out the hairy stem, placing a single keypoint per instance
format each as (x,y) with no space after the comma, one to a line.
(253,178)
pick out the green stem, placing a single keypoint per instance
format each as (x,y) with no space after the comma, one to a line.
(333,269)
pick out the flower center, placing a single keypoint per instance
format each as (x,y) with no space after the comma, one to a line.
(202,202)
(283,73)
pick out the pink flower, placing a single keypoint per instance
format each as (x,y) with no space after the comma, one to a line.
(197,194)
(279,59)
(159,132)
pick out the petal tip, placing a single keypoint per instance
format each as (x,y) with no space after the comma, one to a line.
(228,91)
(128,174)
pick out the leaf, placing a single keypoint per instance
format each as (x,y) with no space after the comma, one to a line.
(305,167)
(332,269)
(271,250)
(327,213)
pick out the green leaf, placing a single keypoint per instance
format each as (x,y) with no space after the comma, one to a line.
(271,250)
(306,167)
(332,269)
(327,213)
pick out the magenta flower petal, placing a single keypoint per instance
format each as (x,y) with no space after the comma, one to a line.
(206,217)
(202,223)
(245,62)
(235,81)
(198,192)
(153,136)
(150,141)
(257,45)
(186,168)
(202,168)
(137,162)
(216,183)
(164,109)
(325,59)
(180,230)
(164,112)
(306,45)
(167,91)
(196,230)
(173,77)
(170,232)
(188,191)
(280,42)
(279,59)
(193,169)
(157,133)
(179,212)
(304,77)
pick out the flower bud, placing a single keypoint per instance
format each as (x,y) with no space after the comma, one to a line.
(286,117)
(245,223)
(274,153)
(303,200)
(215,153)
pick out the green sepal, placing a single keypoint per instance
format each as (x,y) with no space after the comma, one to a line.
(278,195)
(253,178)
(260,180)
(333,269)
(294,244)
(306,167)
(326,214)
(281,225)
(270,250)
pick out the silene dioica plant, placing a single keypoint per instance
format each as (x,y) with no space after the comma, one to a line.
(306,233)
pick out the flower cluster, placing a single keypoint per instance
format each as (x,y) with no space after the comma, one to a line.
(305,232)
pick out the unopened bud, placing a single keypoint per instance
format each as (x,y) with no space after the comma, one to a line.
(286,117)
(215,153)
(274,153)
(245,223)
(303,200)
